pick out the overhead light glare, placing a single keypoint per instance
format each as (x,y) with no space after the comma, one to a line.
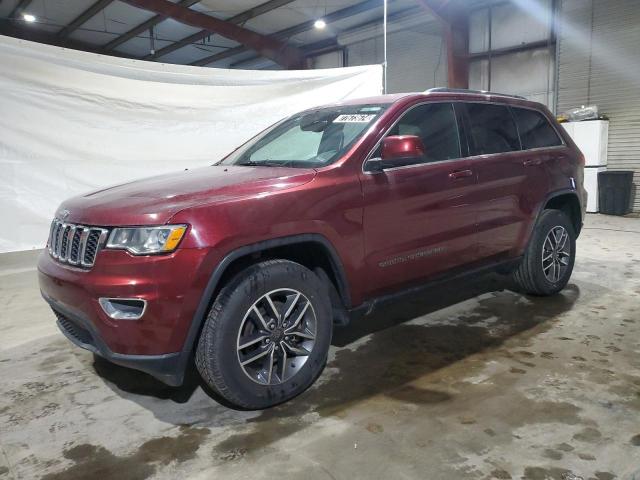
(28,17)
(319,24)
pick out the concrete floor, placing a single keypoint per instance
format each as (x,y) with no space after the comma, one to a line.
(463,382)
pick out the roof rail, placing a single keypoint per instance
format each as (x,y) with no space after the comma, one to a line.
(477,92)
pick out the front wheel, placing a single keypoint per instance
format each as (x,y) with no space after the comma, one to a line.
(549,257)
(267,335)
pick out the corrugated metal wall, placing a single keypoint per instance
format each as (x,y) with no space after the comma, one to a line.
(525,72)
(416,56)
(599,63)
(329,60)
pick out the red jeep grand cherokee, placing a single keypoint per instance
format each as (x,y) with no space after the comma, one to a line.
(246,265)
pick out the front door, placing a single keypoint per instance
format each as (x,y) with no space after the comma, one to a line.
(418,219)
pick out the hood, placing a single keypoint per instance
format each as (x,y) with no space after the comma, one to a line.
(153,201)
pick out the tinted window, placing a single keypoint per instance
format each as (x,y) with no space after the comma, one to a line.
(535,130)
(492,129)
(436,125)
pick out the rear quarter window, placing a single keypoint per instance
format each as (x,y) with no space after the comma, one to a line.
(535,129)
(493,129)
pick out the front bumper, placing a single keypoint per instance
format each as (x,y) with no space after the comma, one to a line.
(168,368)
(172,285)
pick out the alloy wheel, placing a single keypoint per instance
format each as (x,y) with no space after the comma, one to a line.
(276,336)
(556,254)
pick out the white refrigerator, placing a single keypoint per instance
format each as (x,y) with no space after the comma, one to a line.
(592,137)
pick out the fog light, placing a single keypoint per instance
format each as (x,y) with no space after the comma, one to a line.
(123,308)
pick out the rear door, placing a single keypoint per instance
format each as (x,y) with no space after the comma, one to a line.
(419,219)
(543,153)
(497,160)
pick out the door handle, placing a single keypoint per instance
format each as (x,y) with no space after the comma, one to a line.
(530,162)
(460,174)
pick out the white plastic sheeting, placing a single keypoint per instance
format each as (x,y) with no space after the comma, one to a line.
(73,121)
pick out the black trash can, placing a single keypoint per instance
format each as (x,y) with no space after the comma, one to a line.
(614,192)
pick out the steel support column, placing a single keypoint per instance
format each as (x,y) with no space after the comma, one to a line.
(455,30)
(457,42)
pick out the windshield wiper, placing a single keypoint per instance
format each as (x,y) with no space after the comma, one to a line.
(266,163)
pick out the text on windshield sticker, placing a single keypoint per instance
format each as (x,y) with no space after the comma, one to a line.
(354,118)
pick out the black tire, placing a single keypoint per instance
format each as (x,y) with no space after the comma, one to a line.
(530,275)
(217,357)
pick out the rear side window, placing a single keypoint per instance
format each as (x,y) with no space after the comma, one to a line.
(535,130)
(436,125)
(492,129)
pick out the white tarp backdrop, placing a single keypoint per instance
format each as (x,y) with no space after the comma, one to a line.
(73,121)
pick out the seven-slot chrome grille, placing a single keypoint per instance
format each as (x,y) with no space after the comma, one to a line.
(75,244)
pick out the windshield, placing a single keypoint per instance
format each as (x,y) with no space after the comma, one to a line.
(310,139)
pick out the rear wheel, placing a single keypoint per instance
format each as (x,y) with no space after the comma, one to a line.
(550,255)
(267,335)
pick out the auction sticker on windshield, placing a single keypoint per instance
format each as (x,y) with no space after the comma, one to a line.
(354,118)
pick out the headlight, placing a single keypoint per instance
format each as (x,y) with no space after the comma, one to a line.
(146,240)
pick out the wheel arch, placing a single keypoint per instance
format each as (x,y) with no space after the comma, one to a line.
(299,248)
(568,202)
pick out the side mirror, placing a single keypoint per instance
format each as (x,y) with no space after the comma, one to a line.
(397,151)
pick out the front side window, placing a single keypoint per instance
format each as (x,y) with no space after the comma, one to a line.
(436,125)
(492,129)
(309,139)
(535,130)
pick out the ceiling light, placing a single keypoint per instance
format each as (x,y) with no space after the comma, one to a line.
(28,17)
(320,24)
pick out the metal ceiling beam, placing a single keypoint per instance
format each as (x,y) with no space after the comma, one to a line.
(237,19)
(34,35)
(295,30)
(143,27)
(311,49)
(196,37)
(220,56)
(332,43)
(77,22)
(270,47)
(19,9)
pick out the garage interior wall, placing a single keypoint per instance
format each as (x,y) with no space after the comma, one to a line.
(415,52)
(512,50)
(334,59)
(416,57)
(598,64)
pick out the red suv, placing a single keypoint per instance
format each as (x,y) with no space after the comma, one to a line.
(246,265)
